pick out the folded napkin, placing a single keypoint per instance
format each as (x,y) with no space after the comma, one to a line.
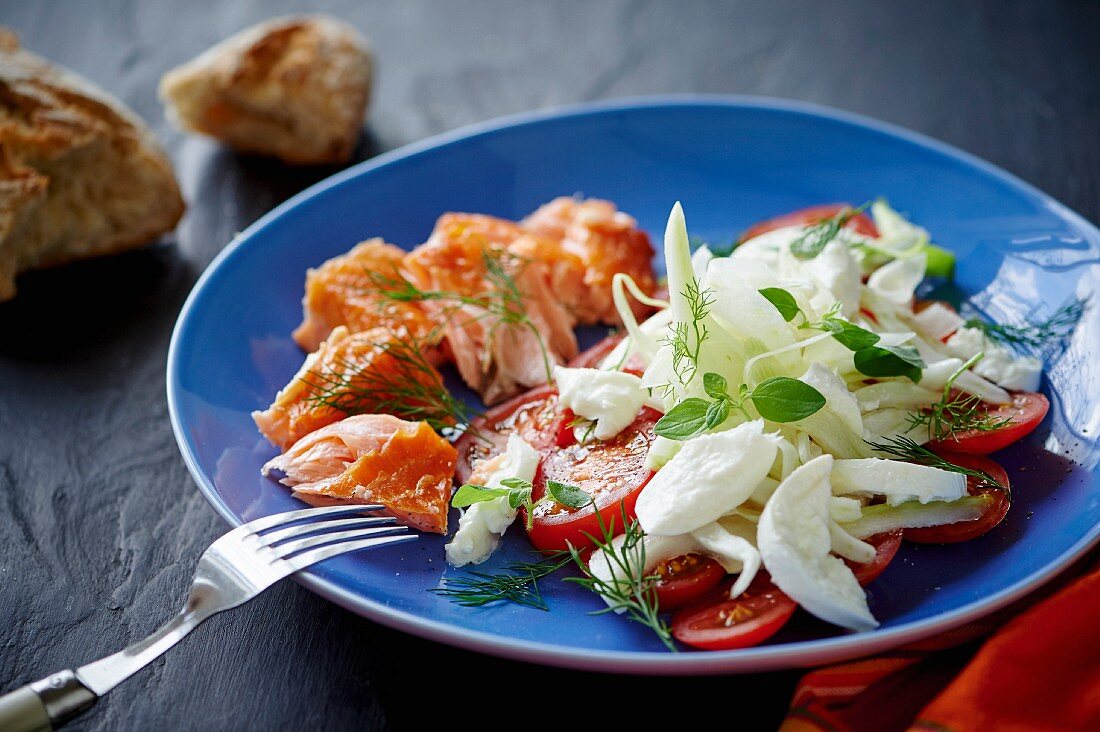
(1037,669)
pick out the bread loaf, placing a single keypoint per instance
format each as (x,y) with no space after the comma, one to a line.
(80,174)
(295,88)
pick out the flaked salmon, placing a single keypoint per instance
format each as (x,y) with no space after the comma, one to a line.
(504,327)
(605,241)
(376,371)
(374,458)
(348,290)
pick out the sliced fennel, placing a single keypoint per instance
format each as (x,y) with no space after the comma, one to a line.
(915,515)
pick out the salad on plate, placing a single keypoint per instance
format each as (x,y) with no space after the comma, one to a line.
(758,433)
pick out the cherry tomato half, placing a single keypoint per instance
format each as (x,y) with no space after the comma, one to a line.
(717,623)
(534,415)
(860,223)
(993,515)
(1026,411)
(613,472)
(683,580)
(886,546)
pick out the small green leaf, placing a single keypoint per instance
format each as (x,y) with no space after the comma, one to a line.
(684,421)
(470,494)
(783,301)
(890,361)
(518,497)
(850,335)
(517,483)
(715,385)
(783,399)
(717,413)
(568,495)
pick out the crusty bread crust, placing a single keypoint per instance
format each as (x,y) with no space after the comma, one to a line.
(80,174)
(295,88)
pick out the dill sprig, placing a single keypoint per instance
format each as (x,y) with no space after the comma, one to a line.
(518,583)
(1035,336)
(411,389)
(956,413)
(503,301)
(686,339)
(812,241)
(903,448)
(630,591)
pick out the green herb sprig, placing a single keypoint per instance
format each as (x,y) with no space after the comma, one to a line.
(686,339)
(630,590)
(779,399)
(813,240)
(956,413)
(870,355)
(518,583)
(1035,336)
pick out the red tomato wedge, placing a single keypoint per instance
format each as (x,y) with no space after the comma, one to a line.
(534,415)
(1026,411)
(683,580)
(613,472)
(717,623)
(860,223)
(967,530)
(886,546)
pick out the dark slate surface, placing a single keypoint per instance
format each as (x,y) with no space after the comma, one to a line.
(99,520)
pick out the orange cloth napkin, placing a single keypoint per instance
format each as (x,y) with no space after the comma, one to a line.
(1037,671)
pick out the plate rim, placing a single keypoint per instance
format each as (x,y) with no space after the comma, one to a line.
(760,658)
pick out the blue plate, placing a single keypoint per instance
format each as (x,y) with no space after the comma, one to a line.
(731,161)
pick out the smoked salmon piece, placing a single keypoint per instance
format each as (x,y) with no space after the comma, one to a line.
(605,241)
(374,458)
(356,373)
(347,290)
(503,325)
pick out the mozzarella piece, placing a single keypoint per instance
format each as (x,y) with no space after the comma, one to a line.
(710,476)
(733,552)
(899,482)
(1000,365)
(483,524)
(610,398)
(794,539)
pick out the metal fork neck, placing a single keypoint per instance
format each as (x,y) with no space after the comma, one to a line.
(63,696)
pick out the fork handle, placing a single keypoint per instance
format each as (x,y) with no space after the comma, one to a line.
(40,705)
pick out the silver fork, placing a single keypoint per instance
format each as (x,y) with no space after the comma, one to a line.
(233,570)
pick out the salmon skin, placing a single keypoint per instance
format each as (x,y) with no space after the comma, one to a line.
(504,327)
(374,458)
(376,371)
(604,241)
(349,290)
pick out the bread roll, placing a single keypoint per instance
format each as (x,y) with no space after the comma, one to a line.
(295,88)
(80,174)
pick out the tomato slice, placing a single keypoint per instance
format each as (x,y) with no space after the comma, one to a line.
(534,415)
(967,530)
(1026,411)
(886,546)
(860,223)
(717,623)
(683,580)
(613,472)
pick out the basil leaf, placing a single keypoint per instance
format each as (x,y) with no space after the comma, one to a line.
(684,421)
(518,496)
(890,361)
(717,413)
(568,495)
(850,335)
(783,301)
(517,483)
(470,494)
(715,385)
(783,399)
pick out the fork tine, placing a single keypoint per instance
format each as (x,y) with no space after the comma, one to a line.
(306,559)
(268,522)
(293,547)
(292,532)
